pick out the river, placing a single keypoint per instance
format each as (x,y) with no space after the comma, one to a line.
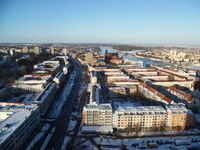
(130,56)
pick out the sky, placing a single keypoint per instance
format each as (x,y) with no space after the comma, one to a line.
(100,21)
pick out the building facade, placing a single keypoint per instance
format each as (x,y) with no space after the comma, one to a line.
(137,118)
(89,58)
(150,118)
(18,121)
(94,114)
(141,118)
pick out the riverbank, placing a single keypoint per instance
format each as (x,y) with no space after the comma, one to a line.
(154,59)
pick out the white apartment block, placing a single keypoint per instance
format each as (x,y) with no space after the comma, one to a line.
(17,123)
(94,114)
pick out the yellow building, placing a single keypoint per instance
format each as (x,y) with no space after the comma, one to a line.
(136,118)
(177,117)
(140,118)
(150,118)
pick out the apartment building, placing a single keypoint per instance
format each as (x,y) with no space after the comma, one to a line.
(121,78)
(50,66)
(141,118)
(59,79)
(34,82)
(17,123)
(63,60)
(67,68)
(113,73)
(94,94)
(180,94)
(89,58)
(177,117)
(93,77)
(153,94)
(117,92)
(150,118)
(45,98)
(126,83)
(97,115)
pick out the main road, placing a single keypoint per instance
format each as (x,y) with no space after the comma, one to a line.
(62,122)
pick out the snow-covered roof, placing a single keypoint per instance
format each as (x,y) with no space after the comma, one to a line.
(119,76)
(12,115)
(34,77)
(116,88)
(177,108)
(42,97)
(141,109)
(105,106)
(47,65)
(98,129)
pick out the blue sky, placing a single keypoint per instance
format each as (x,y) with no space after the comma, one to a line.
(110,21)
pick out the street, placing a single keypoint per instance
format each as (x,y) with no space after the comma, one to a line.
(53,138)
(62,122)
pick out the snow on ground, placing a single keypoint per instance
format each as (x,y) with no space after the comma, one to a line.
(192,131)
(57,105)
(65,142)
(108,141)
(113,143)
(197,117)
(35,140)
(45,127)
(83,86)
(126,103)
(161,133)
(78,140)
(79,131)
(87,145)
(42,132)
(72,125)
(76,114)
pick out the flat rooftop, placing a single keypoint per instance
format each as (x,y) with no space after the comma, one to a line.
(12,115)
(96,106)
(34,77)
(141,109)
(177,108)
(26,98)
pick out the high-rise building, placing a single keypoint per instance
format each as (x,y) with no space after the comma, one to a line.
(52,50)
(93,77)
(89,58)
(12,52)
(7,58)
(43,50)
(65,51)
(37,50)
(25,50)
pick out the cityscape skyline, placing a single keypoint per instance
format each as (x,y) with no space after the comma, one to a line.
(109,74)
(133,22)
